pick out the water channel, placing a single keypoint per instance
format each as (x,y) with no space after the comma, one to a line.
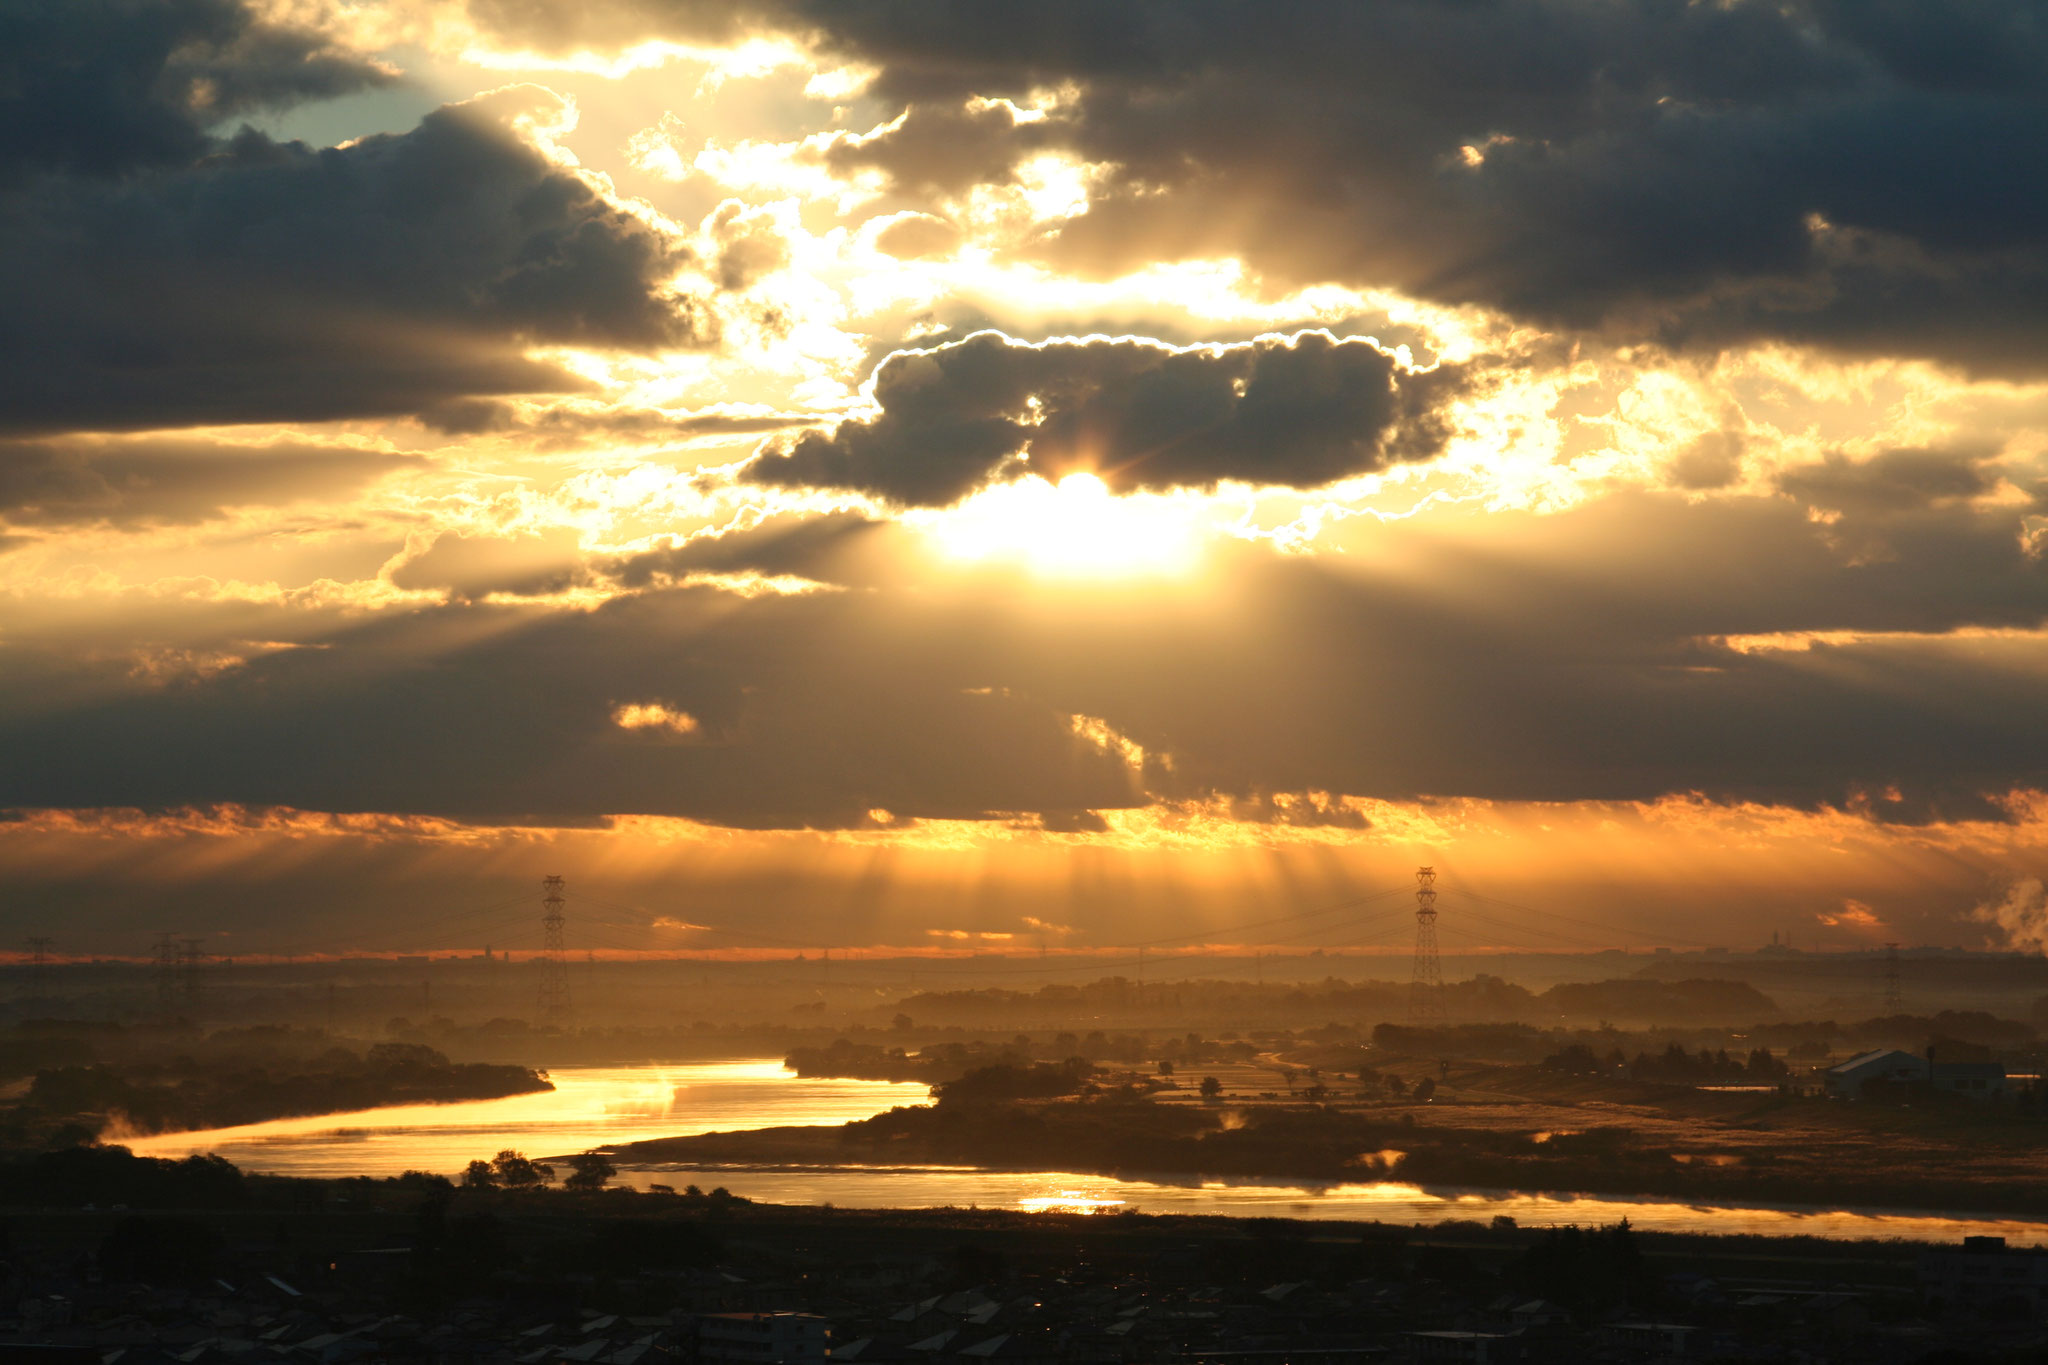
(605,1106)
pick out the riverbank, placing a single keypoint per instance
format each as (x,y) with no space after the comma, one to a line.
(185,1095)
(1708,1147)
(585,1107)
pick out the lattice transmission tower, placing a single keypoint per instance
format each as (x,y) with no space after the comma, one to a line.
(554,968)
(1894,998)
(1426,987)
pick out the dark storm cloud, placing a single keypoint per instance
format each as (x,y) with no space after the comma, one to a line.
(1856,173)
(270,281)
(127,483)
(1578,655)
(153,273)
(1302,411)
(101,87)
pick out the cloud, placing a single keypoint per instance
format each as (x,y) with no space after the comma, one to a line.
(270,281)
(1303,411)
(598,422)
(1829,171)
(1892,480)
(654,716)
(832,548)
(911,236)
(1712,460)
(1512,656)
(518,721)
(106,87)
(82,481)
(559,27)
(1854,914)
(2021,914)
(474,567)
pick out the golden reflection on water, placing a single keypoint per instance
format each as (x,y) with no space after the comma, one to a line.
(589,1107)
(1384,1201)
(1069,1201)
(601,1106)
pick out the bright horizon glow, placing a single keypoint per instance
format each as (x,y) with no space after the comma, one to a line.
(1075,528)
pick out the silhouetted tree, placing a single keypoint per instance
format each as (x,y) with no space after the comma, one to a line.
(516,1172)
(1585,1270)
(589,1171)
(1211,1087)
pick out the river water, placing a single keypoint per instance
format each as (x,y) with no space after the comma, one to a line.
(605,1106)
(590,1106)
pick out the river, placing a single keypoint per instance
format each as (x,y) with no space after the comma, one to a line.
(590,1106)
(605,1106)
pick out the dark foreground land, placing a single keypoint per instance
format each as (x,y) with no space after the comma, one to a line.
(206,1265)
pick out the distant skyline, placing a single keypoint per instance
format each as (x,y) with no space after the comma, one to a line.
(987,475)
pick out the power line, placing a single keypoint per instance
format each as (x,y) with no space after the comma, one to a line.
(1609,932)
(1536,937)
(1130,951)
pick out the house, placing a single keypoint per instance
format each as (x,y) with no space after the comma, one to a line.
(1883,1066)
(760,1338)
(1984,1270)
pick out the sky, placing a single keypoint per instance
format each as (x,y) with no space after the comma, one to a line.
(983,477)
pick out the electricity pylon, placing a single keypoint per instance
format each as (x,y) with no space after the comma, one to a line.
(554,971)
(1426,986)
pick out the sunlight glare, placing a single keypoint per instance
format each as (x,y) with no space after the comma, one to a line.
(1076,527)
(1070,1201)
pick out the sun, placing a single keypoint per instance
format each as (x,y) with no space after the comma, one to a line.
(1075,528)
